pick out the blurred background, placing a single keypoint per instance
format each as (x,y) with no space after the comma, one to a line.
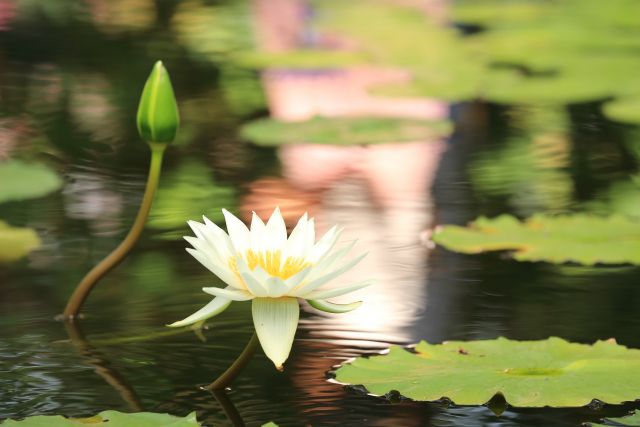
(387,117)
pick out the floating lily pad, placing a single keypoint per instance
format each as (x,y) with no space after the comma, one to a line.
(625,110)
(550,372)
(110,418)
(628,421)
(580,238)
(16,242)
(344,131)
(22,181)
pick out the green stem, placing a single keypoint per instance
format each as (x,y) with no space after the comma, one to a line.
(80,294)
(234,370)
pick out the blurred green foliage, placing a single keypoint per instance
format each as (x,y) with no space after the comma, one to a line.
(21,181)
(344,130)
(16,242)
(529,169)
(186,193)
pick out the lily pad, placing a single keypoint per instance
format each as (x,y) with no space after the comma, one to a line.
(16,242)
(550,372)
(628,421)
(110,418)
(344,130)
(580,238)
(625,110)
(22,181)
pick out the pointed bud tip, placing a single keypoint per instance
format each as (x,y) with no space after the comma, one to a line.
(158,118)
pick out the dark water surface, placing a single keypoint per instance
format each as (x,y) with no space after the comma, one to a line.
(68,98)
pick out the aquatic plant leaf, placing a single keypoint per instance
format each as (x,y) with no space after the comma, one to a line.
(625,110)
(16,242)
(110,418)
(344,131)
(22,181)
(632,420)
(579,238)
(551,372)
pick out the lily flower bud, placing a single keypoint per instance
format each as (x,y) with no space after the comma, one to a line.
(158,118)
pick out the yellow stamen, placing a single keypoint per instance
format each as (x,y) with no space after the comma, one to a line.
(271,262)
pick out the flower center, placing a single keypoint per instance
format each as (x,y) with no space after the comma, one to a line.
(271,262)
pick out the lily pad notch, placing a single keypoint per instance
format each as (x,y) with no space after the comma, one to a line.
(526,373)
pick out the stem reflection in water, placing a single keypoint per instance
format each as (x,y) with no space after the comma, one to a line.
(102,366)
(228,408)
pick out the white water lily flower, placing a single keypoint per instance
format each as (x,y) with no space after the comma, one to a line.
(263,265)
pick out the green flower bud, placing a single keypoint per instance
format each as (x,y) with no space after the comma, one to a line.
(158,117)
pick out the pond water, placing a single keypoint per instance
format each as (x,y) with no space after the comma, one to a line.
(69,92)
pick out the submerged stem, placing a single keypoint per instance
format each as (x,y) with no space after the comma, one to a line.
(80,294)
(236,367)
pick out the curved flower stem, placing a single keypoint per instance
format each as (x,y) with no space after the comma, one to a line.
(83,289)
(234,370)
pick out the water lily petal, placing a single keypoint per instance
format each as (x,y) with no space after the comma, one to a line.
(312,285)
(329,259)
(296,244)
(330,307)
(215,307)
(232,294)
(324,245)
(276,231)
(219,235)
(222,272)
(216,237)
(202,246)
(255,279)
(336,292)
(258,234)
(276,321)
(297,278)
(238,232)
(276,287)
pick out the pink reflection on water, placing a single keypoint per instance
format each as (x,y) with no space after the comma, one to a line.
(380,194)
(7,13)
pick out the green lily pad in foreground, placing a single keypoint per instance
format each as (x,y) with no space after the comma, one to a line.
(22,181)
(16,242)
(628,421)
(108,418)
(344,131)
(583,239)
(550,372)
